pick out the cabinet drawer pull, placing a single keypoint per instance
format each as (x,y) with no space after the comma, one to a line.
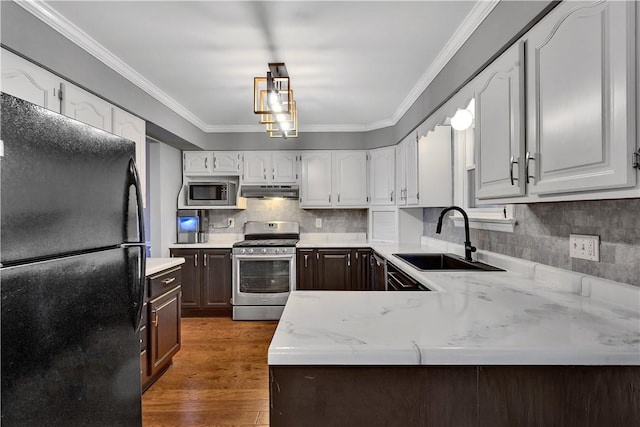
(512,160)
(168,281)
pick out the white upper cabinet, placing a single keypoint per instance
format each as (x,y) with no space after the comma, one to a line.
(278,167)
(133,128)
(27,81)
(333,179)
(436,174)
(315,185)
(197,162)
(350,178)
(499,126)
(407,171)
(209,163)
(581,98)
(227,162)
(382,168)
(85,107)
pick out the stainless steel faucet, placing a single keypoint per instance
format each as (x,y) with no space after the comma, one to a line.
(467,245)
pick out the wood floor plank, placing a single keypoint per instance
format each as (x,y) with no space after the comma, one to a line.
(219,377)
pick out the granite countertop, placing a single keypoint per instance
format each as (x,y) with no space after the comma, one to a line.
(156,265)
(527,315)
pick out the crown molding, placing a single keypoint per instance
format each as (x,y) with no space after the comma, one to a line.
(471,22)
(69,30)
(59,23)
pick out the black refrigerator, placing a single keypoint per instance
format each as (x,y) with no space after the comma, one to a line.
(72,272)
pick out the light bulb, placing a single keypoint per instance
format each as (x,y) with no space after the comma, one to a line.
(461,120)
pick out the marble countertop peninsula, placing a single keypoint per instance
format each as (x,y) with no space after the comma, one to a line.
(528,315)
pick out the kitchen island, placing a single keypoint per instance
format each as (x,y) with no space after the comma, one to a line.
(481,349)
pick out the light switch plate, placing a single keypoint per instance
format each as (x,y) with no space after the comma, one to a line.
(584,247)
(318,222)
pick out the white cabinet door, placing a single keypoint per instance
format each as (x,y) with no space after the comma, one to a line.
(580,104)
(411,170)
(257,164)
(401,176)
(436,168)
(27,81)
(499,127)
(226,161)
(134,129)
(284,167)
(350,178)
(382,176)
(85,107)
(197,162)
(315,186)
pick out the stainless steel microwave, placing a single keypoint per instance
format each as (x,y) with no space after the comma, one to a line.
(211,193)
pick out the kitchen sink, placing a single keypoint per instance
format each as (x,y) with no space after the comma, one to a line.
(440,262)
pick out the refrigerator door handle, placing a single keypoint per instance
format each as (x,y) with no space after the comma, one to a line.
(138,294)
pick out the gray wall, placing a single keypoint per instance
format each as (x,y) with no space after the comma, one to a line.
(165,178)
(333,220)
(542,235)
(28,36)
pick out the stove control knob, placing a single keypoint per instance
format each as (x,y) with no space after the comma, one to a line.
(264,251)
(250,251)
(277,250)
(242,251)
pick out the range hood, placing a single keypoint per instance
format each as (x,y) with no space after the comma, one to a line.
(269,191)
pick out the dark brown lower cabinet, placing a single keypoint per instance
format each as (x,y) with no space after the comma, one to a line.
(460,396)
(160,335)
(333,269)
(206,282)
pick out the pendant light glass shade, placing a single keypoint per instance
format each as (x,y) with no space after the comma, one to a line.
(273,102)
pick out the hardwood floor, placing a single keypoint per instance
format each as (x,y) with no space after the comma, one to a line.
(219,377)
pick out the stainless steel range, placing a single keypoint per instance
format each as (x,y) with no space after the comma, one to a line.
(264,269)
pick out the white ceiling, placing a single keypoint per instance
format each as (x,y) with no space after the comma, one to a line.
(354,65)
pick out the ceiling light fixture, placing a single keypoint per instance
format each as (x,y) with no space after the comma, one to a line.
(273,102)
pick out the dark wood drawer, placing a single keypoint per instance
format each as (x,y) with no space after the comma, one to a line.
(164,281)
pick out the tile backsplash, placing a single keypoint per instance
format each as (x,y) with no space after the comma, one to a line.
(333,220)
(542,235)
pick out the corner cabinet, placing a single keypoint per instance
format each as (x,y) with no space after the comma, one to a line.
(334,269)
(334,179)
(206,281)
(581,98)
(160,334)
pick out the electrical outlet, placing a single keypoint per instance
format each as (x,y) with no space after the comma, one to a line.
(231,222)
(584,247)
(318,222)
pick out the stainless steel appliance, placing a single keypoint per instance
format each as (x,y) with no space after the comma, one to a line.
(192,226)
(264,269)
(221,193)
(73,262)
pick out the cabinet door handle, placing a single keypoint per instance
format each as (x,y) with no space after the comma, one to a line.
(206,160)
(205,259)
(391,197)
(329,196)
(306,257)
(154,313)
(348,260)
(338,197)
(215,162)
(512,160)
(273,174)
(195,260)
(168,281)
(264,172)
(528,157)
